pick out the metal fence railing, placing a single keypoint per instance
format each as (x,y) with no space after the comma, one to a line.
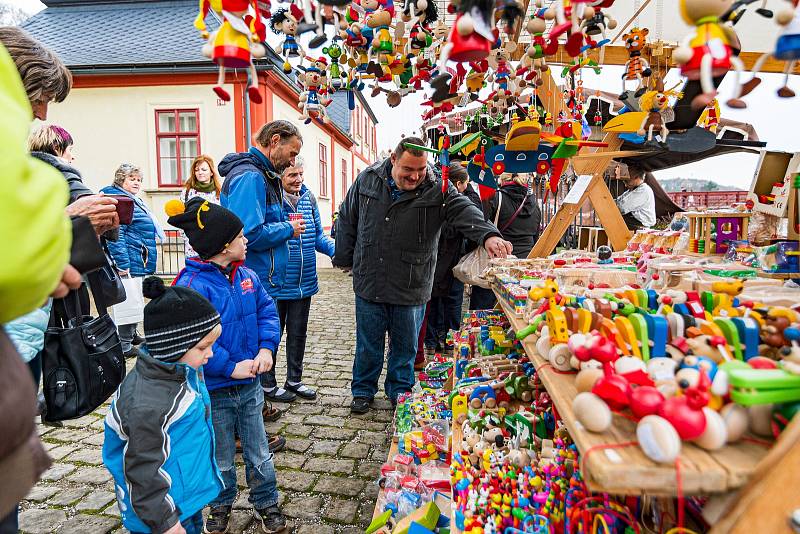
(171,254)
(707,199)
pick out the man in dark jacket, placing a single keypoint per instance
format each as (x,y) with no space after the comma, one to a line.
(387,233)
(253,191)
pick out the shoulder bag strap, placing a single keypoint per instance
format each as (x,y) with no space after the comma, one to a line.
(497,214)
(513,217)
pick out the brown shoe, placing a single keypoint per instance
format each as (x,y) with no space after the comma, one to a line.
(419,366)
(785,92)
(270,413)
(276,443)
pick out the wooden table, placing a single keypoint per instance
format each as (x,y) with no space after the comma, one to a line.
(626,470)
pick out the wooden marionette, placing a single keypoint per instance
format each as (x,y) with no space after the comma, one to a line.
(600,22)
(472,35)
(324,14)
(709,119)
(419,15)
(236,41)
(334,51)
(314,98)
(569,16)
(285,21)
(636,68)
(709,51)
(787,48)
(656,105)
(500,61)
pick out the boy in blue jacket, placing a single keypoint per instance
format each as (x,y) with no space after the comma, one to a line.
(159,440)
(250,337)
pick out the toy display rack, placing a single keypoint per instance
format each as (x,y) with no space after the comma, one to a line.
(624,469)
(704,225)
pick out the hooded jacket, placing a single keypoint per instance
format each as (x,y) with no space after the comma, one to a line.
(159,445)
(301,269)
(252,190)
(77,188)
(247,313)
(135,250)
(392,245)
(524,229)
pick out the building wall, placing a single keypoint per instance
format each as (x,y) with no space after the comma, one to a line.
(118,125)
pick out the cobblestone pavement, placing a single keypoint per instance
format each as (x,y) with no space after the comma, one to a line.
(326,473)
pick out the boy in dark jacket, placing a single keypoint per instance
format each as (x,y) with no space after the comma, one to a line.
(250,337)
(159,441)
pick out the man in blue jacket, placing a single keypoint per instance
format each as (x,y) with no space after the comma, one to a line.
(252,190)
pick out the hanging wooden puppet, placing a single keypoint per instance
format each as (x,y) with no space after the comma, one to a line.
(655,104)
(569,16)
(236,41)
(708,51)
(636,68)
(314,97)
(787,48)
(334,51)
(284,21)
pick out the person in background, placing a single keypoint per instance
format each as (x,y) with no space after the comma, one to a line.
(518,222)
(135,251)
(53,145)
(159,440)
(253,191)
(443,311)
(301,283)
(387,233)
(34,226)
(204,183)
(637,204)
(246,348)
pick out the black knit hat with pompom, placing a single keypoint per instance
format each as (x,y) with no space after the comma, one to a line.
(175,320)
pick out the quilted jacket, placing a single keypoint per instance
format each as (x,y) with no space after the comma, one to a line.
(301,269)
(135,250)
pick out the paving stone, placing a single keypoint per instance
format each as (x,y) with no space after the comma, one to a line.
(339,412)
(326,447)
(302,431)
(60,451)
(355,450)
(303,507)
(351,530)
(314,529)
(379,455)
(113,510)
(87,455)
(327,465)
(323,420)
(68,496)
(69,435)
(339,486)
(333,400)
(80,422)
(369,469)
(295,480)
(58,471)
(241,502)
(373,438)
(274,427)
(297,444)
(41,520)
(371,492)
(289,459)
(96,500)
(97,439)
(41,493)
(292,418)
(341,511)
(325,432)
(240,521)
(90,475)
(90,524)
(307,409)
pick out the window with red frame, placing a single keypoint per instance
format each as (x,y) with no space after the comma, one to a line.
(177,144)
(323,170)
(366,134)
(345,178)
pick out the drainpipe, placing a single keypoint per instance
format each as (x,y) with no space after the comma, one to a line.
(248,133)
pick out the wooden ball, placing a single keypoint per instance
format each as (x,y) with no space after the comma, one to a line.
(716,434)
(658,439)
(592,412)
(543,346)
(629,364)
(736,419)
(761,419)
(586,379)
(559,356)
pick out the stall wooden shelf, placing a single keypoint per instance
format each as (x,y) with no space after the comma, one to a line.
(626,470)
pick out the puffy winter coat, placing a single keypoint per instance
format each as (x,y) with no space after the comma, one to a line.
(135,250)
(523,231)
(253,191)
(77,188)
(392,244)
(247,313)
(301,270)
(159,445)
(27,332)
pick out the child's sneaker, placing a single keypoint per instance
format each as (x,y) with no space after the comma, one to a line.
(217,520)
(271,519)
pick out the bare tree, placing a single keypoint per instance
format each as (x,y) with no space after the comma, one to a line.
(11,15)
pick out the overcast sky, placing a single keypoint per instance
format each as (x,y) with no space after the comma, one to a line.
(776,120)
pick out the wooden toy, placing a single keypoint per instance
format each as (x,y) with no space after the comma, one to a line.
(236,41)
(710,232)
(636,68)
(314,98)
(655,104)
(658,439)
(773,178)
(284,21)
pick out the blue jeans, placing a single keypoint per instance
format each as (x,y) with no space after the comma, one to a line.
(373,321)
(192,525)
(445,314)
(237,410)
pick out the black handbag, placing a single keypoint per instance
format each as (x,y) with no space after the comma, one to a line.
(82,362)
(86,255)
(108,280)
